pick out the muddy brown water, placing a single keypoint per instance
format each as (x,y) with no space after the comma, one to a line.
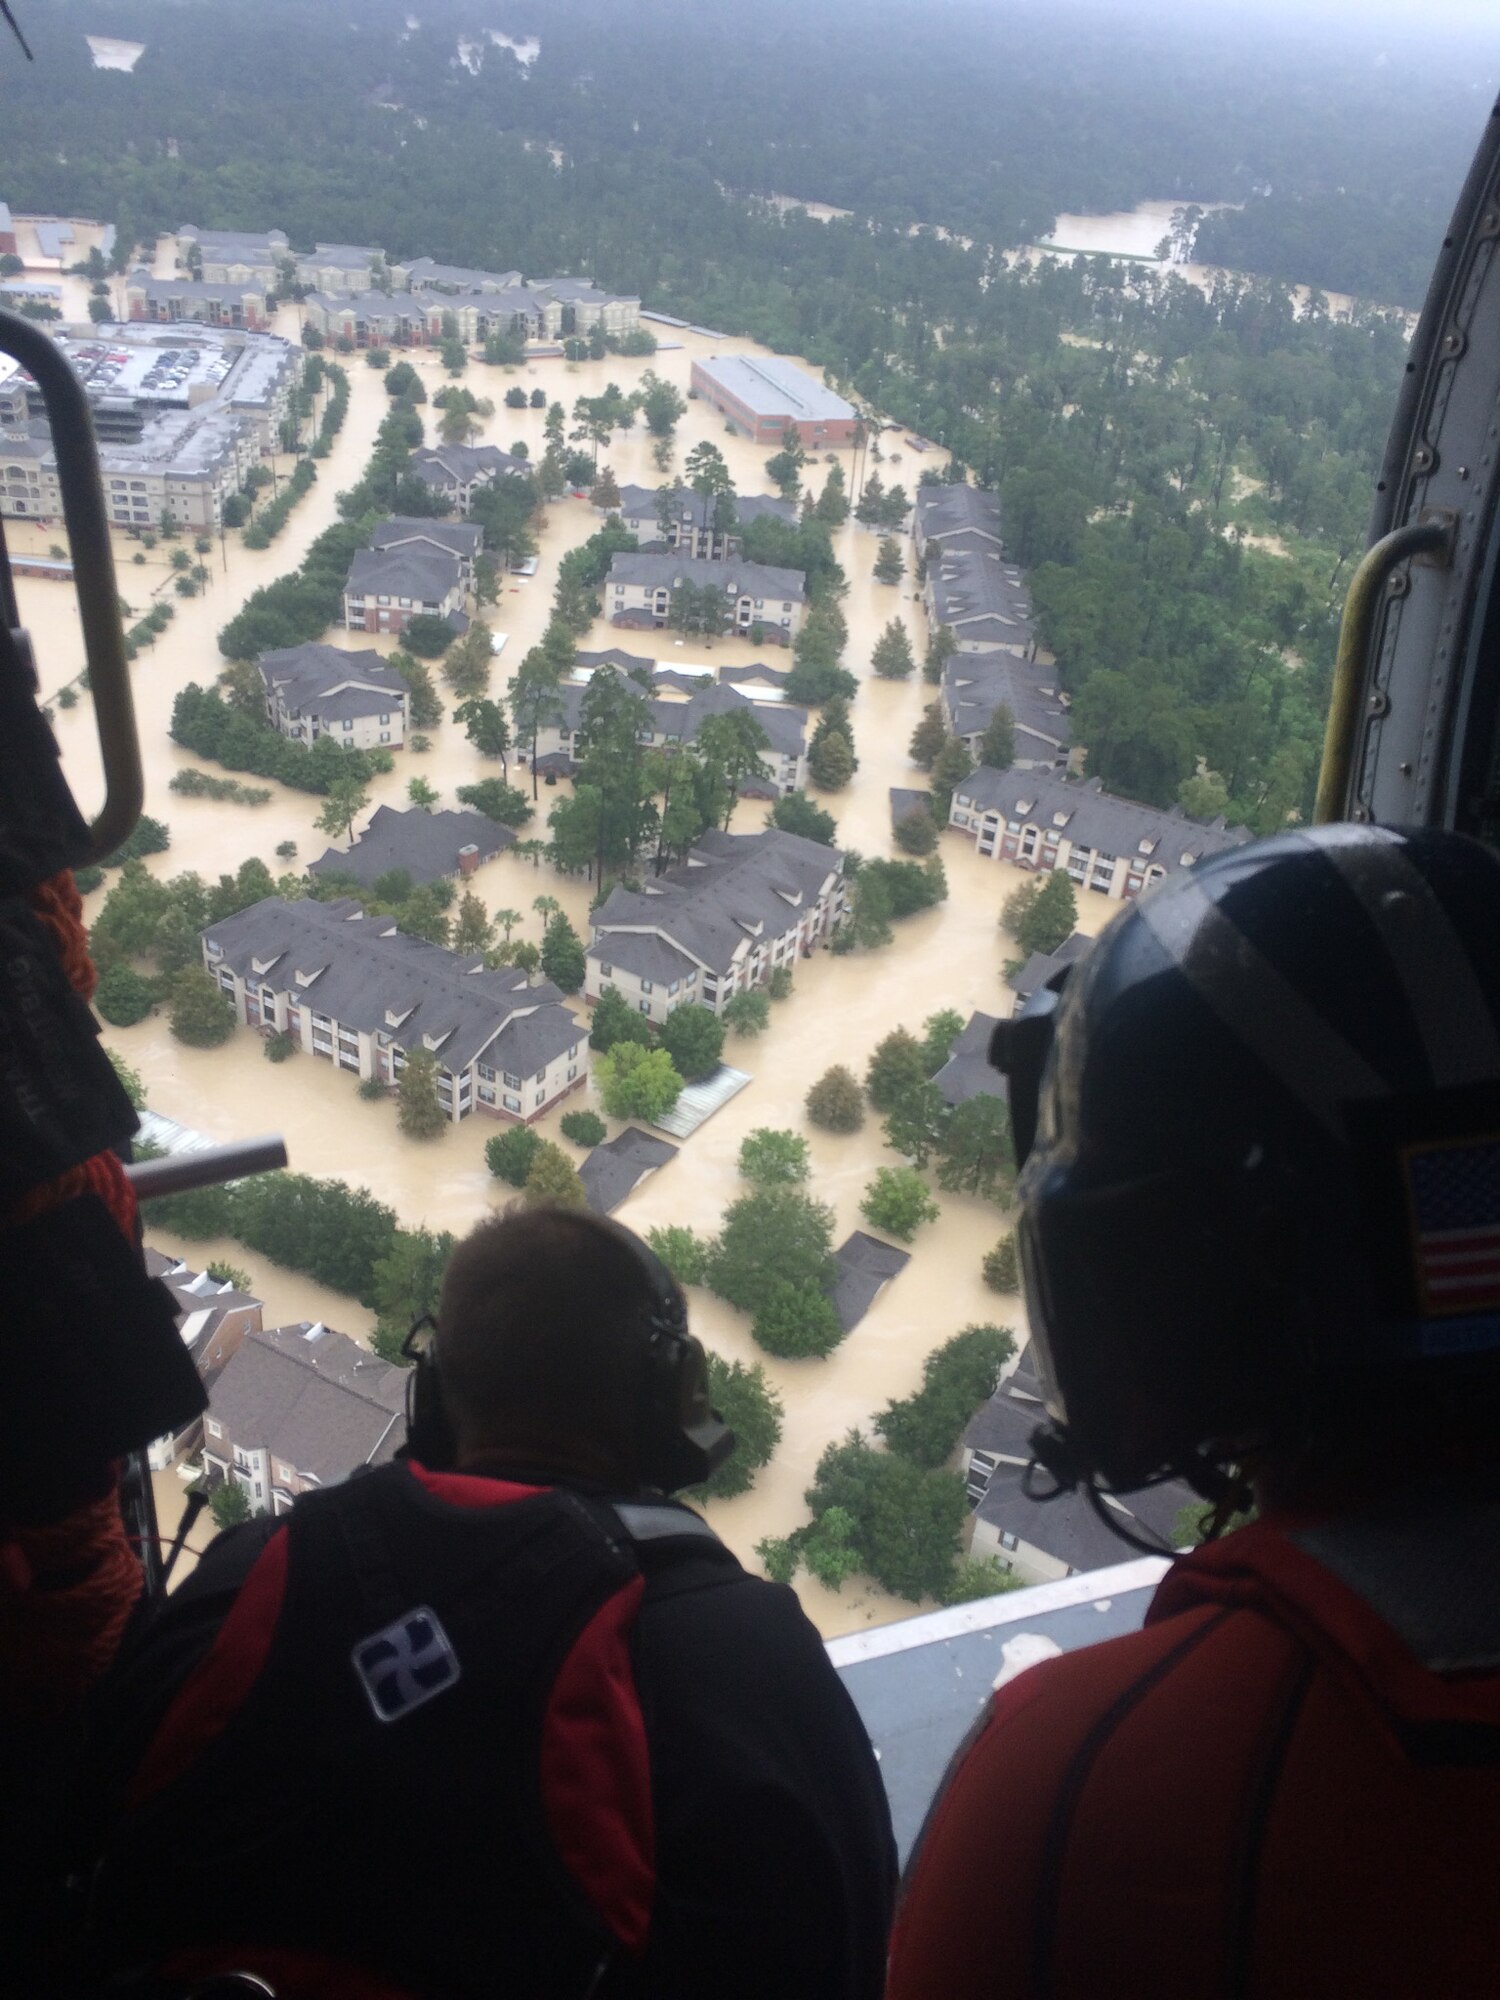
(950,957)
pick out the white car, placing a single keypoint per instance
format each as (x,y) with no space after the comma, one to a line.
(497,643)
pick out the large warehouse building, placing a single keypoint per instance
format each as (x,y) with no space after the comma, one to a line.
(765,397)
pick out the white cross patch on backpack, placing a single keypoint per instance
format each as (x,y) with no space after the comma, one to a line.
(406,1664)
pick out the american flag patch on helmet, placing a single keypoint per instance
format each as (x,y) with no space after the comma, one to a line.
(1453,1189)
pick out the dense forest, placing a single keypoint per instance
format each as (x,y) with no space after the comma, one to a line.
(1186,477)
(989,119)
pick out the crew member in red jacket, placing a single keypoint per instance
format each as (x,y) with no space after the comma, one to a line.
(500,1718)
(1260,1241)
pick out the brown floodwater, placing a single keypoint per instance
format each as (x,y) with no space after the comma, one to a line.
(950,957)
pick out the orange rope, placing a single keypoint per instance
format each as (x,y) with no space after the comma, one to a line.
(67,1588)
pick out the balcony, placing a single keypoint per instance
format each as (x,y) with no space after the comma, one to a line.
(919,1684)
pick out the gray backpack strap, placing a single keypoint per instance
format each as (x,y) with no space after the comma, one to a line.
(651,1521)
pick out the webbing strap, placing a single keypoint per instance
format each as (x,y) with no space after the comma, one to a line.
(645,1521)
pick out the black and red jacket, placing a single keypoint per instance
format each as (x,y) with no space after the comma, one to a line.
(1287,1785)
(459,1735)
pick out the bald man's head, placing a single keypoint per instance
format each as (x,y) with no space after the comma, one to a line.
(541,1342)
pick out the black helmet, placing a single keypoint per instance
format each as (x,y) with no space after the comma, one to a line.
(1265,1168)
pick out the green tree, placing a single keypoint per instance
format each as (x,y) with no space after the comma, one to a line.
(615,1020)
(975,1577)
(466,668)
(997,749)
(898,1201)
(503,803)
(748,1013)
(662,404)
(831,762)
(122,996)
(796,813)
(940,649)
(835,1102)
(916,832)
(347,799)
(418,1109)
(950,767)
(225,1273)
(706,470)
(510,1153)
(1042,914)
(552,1180)
(939,1032)
(487,728)
(771,1237)
(693,1036)
(833,502)
(892,658)
(584,1128)
(684,1253)
(752,1409)
(796,1321)
(536,701)
(868,924)
(199,1014)
(637,1082)
(978,1155)
(957,1379)
(130,1079)
(472,930)
(929,736)
(1204,796)
(422,795)
(562,954)
(889,566)
(606,491)
(907,1519)
(424,705)
(229,1504)
(427,635)
(917,1122)
(897,1065)
(773,1158)
(405,1283)
(735,744)
(999,1267)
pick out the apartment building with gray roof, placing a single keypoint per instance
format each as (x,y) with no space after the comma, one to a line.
(387,587)
(956,516)
(759,598)
(1114,846)
(982,598)
(426,846)
(316,690)
(300,1407)
(359,992)
(457,471)
(690,519)
(559,745)
(169,300)
(462,539)
(976,685)
(741,906)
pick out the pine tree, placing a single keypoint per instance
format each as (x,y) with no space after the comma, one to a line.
(870,502)
(563,958)
(832,507)
(1041,915)
(997,749)
(200,1014)
(836,1102)
(552,1181)
(607,490)
(418,1112)
(889,566)
(949,769)
(472,929)
(929,736)
(892,658)
(896,1066)
(940,649)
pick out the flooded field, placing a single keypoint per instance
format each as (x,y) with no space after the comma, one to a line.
(950,957)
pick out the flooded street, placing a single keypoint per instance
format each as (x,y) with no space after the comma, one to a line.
(950,957)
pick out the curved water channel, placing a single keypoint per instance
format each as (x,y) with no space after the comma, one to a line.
(950,957)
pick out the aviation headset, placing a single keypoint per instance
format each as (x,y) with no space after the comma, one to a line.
(679,1438)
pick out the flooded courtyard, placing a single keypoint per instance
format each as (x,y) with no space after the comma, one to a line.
(841,1007)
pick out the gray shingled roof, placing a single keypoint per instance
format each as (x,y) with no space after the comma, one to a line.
(679,721)
(905,801)
(1041,965)
(642,503)
(529,1042)
(461,538)
(327,681)
(866,1266)
(461,464)
(967,1072)
(427,271)
(191,288)
(746,579)
(710,905)
(755,675)
(615,656)
(958,510)
(410,570)
(980,595)
(647,956)
(976,684)
(363,969)
(425,844)
(617,1168)
(1091,817)
(312,1398)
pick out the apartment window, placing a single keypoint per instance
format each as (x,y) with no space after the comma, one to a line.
(539,1100)
(605,969)
(760,604)
(382,600)
(643,1006)
(540,1077)
(486,1074)
(692,979)
(572,1073)
(214,1430)
(646,986)
(347,723)
(512,1082)
(385,718)
(572,1052)
(404,602)
(1008,1541)
(385,736)
(512,1103)
(486,1094)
